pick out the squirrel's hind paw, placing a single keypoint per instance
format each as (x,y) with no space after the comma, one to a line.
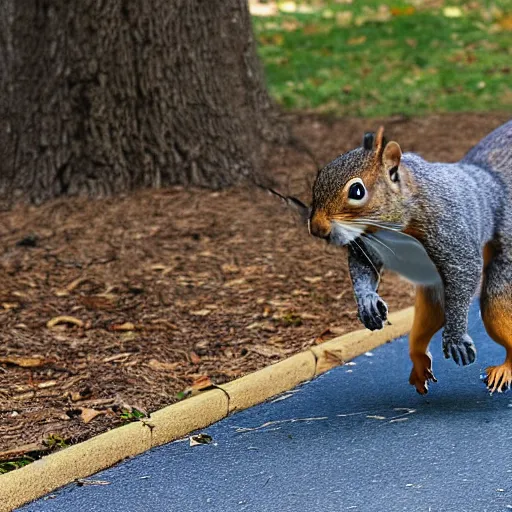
(499,378)
(421,373)
(462,349)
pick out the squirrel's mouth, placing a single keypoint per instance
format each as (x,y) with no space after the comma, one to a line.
(344,233)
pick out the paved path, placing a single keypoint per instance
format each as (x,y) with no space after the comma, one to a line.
(358,438)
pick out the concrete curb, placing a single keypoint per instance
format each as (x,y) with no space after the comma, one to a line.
(175,421)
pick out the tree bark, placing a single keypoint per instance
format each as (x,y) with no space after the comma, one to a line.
(103,96)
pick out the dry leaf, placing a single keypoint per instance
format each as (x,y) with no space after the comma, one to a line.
(201,312)
(202,383)
(127,326)
(82,481)
(234,282)
(116,357)
(200,439)
(313,279)
(88,415)
(47,384)
(403,11)
(25,362)
(194,358)
(329,333)
(10,305)
(64,320)
(160,366)
(354,41)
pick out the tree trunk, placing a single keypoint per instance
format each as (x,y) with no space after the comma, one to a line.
(103,96)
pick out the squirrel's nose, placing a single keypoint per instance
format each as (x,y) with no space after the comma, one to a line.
(319,225)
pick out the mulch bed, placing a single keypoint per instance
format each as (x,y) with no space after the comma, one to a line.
(167,288)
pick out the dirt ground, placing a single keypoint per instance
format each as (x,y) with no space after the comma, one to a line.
(170,287)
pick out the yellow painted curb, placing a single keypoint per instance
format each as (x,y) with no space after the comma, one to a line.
(344,348)
(82,460)
(272,380)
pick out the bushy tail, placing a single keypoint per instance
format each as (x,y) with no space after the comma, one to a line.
(494,152)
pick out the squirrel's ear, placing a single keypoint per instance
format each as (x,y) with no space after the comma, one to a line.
(391,157)
(380,142)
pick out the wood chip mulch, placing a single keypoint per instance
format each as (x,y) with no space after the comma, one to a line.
(112,308)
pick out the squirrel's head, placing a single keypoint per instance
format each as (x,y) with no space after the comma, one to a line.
(360,191)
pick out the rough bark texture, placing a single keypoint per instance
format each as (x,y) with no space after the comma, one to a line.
(102,96)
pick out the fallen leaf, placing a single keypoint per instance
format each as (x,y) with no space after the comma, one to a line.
(265,351)
(160,366)
(313,279)
(25,362)
(64,319)
(83,481)
(10,305)
(88,415)
(201,312)
(353,41)
(127,326)
(228,268)
(506,22)
(288,7)
(452,12)
(47,384)
(75,283)
(200,439)
(234,282)
(202,383)
(116,357)
(403,11)
(344,18)
(194,358)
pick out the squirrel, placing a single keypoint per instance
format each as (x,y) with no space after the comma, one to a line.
(447,227)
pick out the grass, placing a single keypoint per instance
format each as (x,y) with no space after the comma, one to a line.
(384,58)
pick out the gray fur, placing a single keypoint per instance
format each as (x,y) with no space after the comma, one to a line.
(460,207)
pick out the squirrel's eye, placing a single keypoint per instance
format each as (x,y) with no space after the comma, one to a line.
(356,191)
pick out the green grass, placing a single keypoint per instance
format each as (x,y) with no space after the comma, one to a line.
(372,58)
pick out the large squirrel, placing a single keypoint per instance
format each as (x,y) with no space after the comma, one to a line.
(441,226)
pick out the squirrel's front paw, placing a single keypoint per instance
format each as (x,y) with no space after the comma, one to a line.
(372,311)
(460,348)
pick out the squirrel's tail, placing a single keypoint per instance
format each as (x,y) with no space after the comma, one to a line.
(494,152)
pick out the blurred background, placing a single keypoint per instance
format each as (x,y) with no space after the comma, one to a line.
(381,58)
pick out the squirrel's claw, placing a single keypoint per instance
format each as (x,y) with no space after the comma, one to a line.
(372,311)
(421,373)
(462,350)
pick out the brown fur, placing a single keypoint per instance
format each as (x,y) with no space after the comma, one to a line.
(428,319)
(497,318)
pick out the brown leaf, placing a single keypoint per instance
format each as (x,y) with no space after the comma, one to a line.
(201,312)
(64,319)
(329,333)
(10,305)
(127,326)
(354,41)
(194,358)
(200,439)
(25,362)
(116,357)
(162,367)
(313,279)
(403,11)
(47,384)
(202,383)
(88,415)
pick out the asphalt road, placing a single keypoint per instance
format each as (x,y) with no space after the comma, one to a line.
(358,438)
